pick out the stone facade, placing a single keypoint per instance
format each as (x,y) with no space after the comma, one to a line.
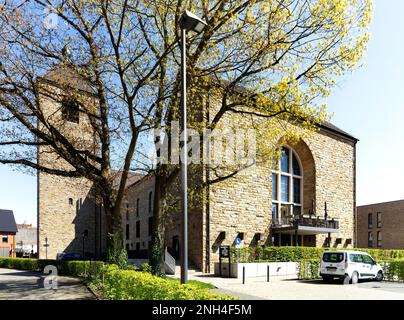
(68,218)
(240,206)
(139,211)
(387,233)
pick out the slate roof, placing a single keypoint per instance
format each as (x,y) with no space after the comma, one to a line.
(7,221)
(333,128)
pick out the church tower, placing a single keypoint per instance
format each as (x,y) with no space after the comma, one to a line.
(69,219)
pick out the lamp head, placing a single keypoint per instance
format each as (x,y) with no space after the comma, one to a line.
(191,22)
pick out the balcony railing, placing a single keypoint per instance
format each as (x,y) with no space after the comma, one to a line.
(308,221)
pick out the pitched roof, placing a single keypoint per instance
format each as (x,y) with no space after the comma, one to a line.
(7,221)
(63,76)
(330,127)
(132,178)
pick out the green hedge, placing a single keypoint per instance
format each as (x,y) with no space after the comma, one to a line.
(68,268)
(308,269)
(393,270)
(134,285)
(287,254)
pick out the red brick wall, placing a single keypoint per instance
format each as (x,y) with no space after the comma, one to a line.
(392,225)
(10,243)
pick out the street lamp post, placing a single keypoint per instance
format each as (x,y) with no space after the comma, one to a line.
(188,22)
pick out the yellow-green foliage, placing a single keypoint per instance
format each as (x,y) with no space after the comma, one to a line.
(284,254)
(308,269)
(393,269)
(134,285)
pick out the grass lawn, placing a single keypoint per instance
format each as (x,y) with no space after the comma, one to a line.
(199,284)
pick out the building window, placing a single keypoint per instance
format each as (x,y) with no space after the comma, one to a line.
(379,238)
(137,229)
(287,187)
(150,201)
(150,226)
(370,240)
(127,211)
(127,231)
(4,239)
(379,219)
(71,201)
(137,207)
(70,110)
(370,224)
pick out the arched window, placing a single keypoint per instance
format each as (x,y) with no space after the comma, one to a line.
(287,187)
(150,201)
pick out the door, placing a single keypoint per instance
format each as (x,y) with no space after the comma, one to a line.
(286,239)
(357,265)
(368,267)
(176,247)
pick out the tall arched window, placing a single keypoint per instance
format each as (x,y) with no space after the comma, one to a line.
(287,187)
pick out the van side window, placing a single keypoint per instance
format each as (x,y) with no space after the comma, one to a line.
(355,258)
(367,259)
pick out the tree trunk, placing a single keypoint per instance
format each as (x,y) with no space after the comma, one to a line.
(158,228)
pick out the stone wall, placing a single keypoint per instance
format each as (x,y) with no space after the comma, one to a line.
(66,206)
(243,203)
(141,213)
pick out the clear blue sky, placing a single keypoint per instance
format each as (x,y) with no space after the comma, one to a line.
(368,104)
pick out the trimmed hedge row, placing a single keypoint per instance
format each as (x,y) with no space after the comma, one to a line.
(133,285)
(287,254)
(68,268)
(393,270)
(310,269)
(119,284)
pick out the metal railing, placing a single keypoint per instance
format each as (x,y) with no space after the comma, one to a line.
(309,221)
(169,263)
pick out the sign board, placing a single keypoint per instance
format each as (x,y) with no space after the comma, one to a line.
(237,243)
(224,251)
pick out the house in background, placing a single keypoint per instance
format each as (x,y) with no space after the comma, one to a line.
(26,240)
(380,225)
(8,230)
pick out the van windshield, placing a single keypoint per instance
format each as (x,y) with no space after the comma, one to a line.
(333,257)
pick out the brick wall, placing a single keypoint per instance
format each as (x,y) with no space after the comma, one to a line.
(391,228)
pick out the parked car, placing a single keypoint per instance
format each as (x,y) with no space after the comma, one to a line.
(59,255)
(349,266)
(72,256)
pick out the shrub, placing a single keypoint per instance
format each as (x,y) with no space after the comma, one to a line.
(308,269)
(393,269)
(145,267)
(281,254)
(287,254)
(130,285)
(68,268)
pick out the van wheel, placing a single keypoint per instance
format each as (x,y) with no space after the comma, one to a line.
(379,276)
(354,278)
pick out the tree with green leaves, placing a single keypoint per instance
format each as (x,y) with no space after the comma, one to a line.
(287,54)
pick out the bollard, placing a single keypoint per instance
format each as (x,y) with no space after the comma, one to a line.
(243,274)
(267,273)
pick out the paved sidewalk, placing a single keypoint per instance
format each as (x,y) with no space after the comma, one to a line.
(289,288)
(26,285)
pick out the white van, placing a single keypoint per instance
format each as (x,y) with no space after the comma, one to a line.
(349,266)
